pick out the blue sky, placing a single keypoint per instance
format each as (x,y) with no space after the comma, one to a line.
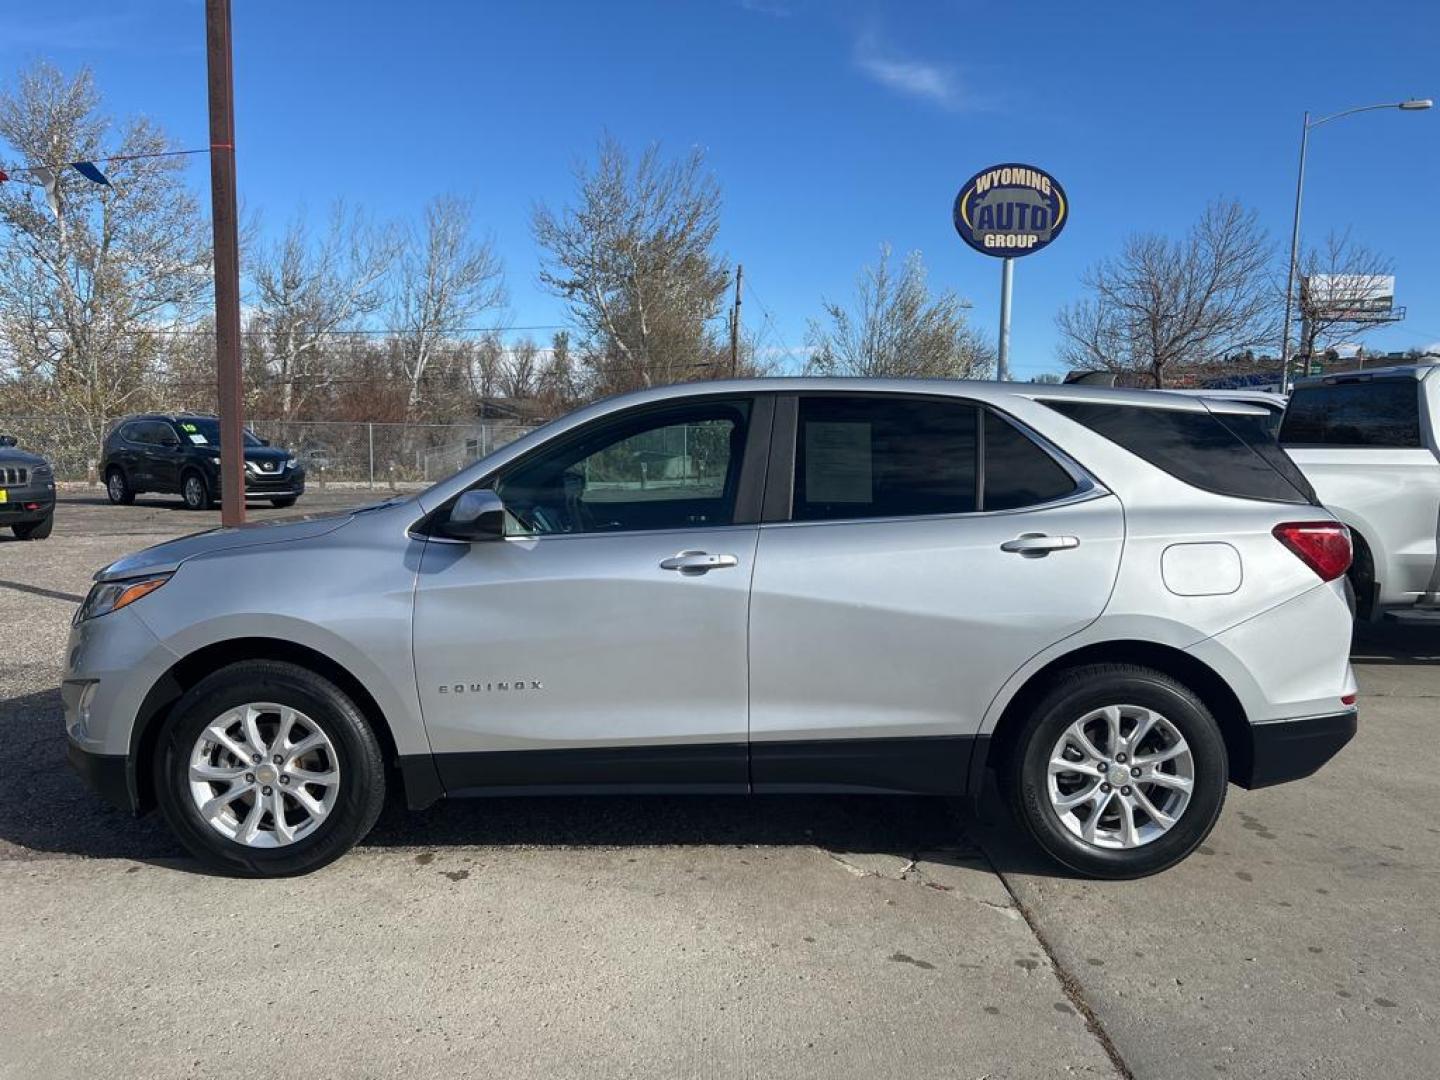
(832,127)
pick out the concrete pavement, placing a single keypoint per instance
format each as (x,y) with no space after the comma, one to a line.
(710,937)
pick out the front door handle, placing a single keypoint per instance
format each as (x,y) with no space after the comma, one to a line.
(698,562)
(1038,545)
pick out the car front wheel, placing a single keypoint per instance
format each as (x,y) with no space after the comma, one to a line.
(1120,771)
(195,492)
(266,769)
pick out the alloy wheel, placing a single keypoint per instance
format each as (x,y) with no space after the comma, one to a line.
(194,491)
(264,775)
(1120,776)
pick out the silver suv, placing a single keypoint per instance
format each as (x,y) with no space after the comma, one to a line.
(1117,601)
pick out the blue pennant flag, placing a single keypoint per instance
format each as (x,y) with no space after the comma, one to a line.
(88,170)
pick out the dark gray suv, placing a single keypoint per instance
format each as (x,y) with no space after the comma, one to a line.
(27,492)
(180,455)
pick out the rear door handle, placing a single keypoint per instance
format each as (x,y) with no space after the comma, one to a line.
(1038,545)
(698,562)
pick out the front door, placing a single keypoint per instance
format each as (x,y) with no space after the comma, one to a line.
(906,587)
(603,644)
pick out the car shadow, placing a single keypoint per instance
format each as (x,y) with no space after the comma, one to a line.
(1391,643)
(46,809)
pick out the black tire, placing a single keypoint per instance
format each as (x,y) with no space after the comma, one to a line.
(195,490)
(1025,774)
(281,504)
(35,530)
(361,765)
(117,487)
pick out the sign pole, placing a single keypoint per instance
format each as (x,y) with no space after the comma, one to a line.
(1007,283)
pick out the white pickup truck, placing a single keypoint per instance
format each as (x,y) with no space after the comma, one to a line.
(1367,442)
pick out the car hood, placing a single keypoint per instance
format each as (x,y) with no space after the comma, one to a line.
(266,453)
(9,455)
(169,555)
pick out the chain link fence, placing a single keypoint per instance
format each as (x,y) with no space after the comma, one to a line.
(330,450)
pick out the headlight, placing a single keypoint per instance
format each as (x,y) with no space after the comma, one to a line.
(108,596)
(41,472)
(290,462)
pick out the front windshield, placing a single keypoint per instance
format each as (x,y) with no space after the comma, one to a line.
(205,431)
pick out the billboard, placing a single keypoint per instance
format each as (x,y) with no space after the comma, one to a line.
(1348,297)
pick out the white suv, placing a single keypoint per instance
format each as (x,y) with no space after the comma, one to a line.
(1366,441)
(1117,601)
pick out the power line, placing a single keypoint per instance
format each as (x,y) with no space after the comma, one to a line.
(209,332)
(111,158)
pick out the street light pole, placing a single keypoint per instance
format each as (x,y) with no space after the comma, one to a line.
(1409,105)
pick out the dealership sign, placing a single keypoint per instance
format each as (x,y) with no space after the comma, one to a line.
(1010,210)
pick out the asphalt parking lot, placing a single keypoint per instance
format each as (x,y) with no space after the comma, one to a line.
(771,937)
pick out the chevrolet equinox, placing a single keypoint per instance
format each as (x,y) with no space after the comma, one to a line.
(1117,602)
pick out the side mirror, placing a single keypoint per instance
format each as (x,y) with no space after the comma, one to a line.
(476,515)
(8,440)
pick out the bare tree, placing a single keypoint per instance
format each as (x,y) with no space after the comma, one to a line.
(898,329)
(634,258)
(82,295)
(305,291)
(520,378)
(1344,292)
(1164,302)
(556,389)
(447,278)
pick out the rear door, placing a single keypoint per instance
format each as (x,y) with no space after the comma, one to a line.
(928,547)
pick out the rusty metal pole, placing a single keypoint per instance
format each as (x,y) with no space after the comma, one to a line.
(227,262)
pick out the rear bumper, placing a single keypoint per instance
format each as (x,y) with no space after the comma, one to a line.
(1282,750)
(108,775)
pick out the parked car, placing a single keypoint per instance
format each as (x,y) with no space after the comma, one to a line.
(27,492)
(1117,601)
(179,454)
(1367,442)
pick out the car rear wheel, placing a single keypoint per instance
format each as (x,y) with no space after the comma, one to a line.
(1119,772)
(195,491)
(35,530)
(117,487)
(265,769)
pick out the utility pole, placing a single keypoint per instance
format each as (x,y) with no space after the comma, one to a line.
(227,262)
(735,324)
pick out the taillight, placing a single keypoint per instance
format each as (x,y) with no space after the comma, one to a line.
(1324,546)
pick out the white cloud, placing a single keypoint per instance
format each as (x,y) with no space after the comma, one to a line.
(939,84)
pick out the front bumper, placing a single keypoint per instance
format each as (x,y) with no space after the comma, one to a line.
(111,776)
(277,485)
(1282,750)
(27,503)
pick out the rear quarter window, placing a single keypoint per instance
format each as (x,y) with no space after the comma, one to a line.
(1380,413)
(1195,447)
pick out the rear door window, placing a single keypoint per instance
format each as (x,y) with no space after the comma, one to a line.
(1369,413)
(1199,448)
(867,457)
(1018,472)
